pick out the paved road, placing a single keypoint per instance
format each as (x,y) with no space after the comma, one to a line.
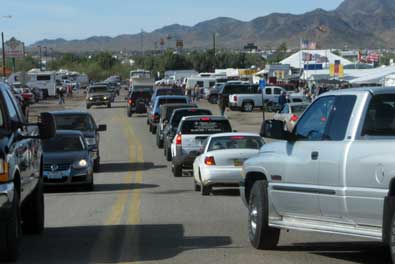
(139,213)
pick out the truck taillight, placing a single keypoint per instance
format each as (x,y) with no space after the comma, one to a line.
(178,139)
(235,98)
(294,118)
(209,161)
(3,171)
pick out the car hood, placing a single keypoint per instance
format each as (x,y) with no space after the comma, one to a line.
(65,157)
(89,134)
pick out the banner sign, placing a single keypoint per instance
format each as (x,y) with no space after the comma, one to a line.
(14,48)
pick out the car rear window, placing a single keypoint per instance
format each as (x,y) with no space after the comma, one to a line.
(205,126)
(141,94)
(169,92)
(298,108)
(178,115)
(63,143)
(74,122)
(172,101)
(235,142)
(240,89)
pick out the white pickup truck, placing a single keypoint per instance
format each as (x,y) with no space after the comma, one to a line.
(334,173)
(246,102)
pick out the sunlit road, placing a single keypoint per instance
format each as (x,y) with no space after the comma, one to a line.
(139,212)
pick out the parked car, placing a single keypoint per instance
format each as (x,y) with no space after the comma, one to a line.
(98,94)
(166,112)
(67,160)
(191,133)
(221,158)
(235,88)
(84,122)
(332,174)
(154,110)
(138,102)
(211,95)
(290,114)
(21,181)
(170,129)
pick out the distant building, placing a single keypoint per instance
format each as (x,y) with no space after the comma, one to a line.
(250,47)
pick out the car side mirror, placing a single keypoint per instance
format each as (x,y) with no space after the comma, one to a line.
(102,128)
(47,126)
(275,129)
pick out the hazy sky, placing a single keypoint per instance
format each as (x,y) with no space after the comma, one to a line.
(34,20)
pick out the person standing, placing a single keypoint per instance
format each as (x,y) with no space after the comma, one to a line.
(197,92)
(221,104)
(61,95)
(282,100)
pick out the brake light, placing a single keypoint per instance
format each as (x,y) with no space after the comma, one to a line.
(3,171)
(205,119)
(192,110)
(237,137)
(235,98)
(210,161)
(294,118)
(130,101)
(178,139)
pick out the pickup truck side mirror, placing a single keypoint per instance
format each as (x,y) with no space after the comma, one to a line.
(102,128)
(275,129)
(47,126)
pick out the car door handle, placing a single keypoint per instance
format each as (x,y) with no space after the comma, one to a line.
(314,155)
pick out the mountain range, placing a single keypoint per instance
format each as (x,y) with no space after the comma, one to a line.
(355,23)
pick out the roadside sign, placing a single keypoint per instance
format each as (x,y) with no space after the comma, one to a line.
(14,48)
(262,84)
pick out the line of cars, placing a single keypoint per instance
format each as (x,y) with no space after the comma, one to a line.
(193,139)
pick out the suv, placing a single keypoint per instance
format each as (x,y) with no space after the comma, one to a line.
(154,112)
(166,112)
(84,122)
(138,101)
(191,133)
(171,128)
(21,179)
(98,95)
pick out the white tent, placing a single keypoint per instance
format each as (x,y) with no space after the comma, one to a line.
(376,75)
(317,57)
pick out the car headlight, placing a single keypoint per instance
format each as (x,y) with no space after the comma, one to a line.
(90,98)
(90,141)
(80,164)
(105,97)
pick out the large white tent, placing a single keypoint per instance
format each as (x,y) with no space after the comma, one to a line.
(318,56)
(376,75)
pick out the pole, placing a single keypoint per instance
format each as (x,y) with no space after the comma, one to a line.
(2,46)
(40,58)
(214,49)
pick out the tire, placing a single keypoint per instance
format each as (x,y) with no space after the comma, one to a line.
(130,113)
(33,211)
(109,105)
(168,155)
(205,190)
(177,170)
(90,187)
(260,234)
(196,186)
(392,237)
(248,107)
(88,106)
(10,233)
(96,165)
(153,130)
(150,128)
(213,99)
(159,142)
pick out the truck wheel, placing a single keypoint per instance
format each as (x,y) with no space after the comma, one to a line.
(150,128)
(196,186)
(153,130)
(10,233)
(33,211)
(109,105)
(248,107)
(96,165)
(392,238)
(260,234)
(159,142)
(168,154)
(205,190)
(129,113)
(177,170)
(88,106)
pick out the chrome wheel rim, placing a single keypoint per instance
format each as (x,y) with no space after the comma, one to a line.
(253,217)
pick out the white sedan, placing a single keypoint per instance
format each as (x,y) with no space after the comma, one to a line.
(221,159)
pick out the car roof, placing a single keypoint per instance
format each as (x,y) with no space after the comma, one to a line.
(361,90)
(69,112)
(69,132)
(235,134)
(212,117)
(171,97)
(299,103)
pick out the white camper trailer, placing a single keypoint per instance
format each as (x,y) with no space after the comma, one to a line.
(43,80)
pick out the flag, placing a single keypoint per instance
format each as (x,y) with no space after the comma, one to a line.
(307,44)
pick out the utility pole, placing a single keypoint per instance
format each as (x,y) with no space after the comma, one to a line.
(45,57)
(214,49)
(40,58)
(142,42)
(3,49)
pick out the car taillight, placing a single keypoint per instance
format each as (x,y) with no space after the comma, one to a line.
(235,98)
(205,119)
(130,101)
(294,118)
(178,139)
(210,161)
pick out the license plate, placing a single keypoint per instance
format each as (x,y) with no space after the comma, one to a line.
(238,163)
(55,175)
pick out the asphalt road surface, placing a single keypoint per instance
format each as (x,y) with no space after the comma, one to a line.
(140,213)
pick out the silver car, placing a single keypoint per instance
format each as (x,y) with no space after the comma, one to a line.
(221,160)
(290,114)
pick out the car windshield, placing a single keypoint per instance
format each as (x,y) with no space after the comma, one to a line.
(74,122)
(98,89)
(178,115)
(205,126)
(64,143)
(235,142)
(298,109)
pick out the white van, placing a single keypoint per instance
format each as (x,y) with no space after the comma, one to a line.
(43,80)
(205,84)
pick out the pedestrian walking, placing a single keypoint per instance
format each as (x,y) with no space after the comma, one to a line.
(221,104)
(282,100)
(197,92)
(61,95)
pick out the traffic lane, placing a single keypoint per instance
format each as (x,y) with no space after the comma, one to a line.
(84,227)
(215,227)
